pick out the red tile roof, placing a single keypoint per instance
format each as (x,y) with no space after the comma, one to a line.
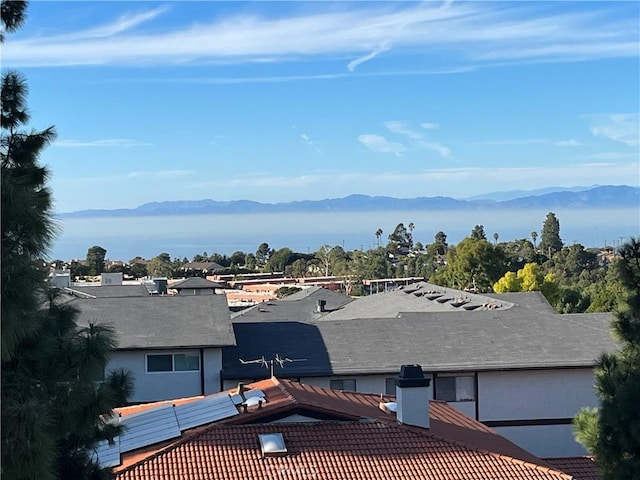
(582,468)
(331,450)
(362,442)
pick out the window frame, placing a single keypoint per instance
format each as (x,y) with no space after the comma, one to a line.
(173,362)
(387,382)
(455,376)
(355,384)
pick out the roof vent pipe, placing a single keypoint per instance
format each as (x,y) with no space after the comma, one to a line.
(413,393)
(240,391)
(321,306)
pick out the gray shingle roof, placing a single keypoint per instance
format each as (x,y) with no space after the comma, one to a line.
(417,297)
(301,306)
(204,266)
(519,337)
(195,283)
(162,321)
(113,291)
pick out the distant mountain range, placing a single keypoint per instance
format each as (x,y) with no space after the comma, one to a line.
(609,196)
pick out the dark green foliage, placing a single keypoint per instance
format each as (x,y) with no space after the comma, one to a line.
(550,242)
(400,240)
(52,411)
(161,266)
(279,259)
(612,433)
(286,291)
(478,233)
(27,227)
(475,264)
(263,253)
(95,259)
(13,15)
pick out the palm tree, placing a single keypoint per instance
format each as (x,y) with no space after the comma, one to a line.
(411,228)
(378,235)
(534,237)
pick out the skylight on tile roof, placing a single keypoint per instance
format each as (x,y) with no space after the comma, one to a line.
(272,444)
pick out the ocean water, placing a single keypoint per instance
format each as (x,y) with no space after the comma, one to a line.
(188,235)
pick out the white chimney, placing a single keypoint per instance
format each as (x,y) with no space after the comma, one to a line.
(412,396)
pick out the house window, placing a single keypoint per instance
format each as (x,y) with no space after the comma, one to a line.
(173,362)
(456,389)
(346,384)
(390,386)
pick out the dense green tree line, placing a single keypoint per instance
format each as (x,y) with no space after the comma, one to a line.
(572,278)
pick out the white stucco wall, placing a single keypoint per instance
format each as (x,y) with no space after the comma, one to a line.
(168,385)
(521,396)
(212,362)
(544,441)
(534,394)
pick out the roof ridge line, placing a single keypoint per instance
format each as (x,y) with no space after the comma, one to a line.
(284,390)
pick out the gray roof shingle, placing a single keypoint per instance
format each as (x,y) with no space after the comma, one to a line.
(113,291)
(527,334)
(162,321)
(301,306)
(195,283)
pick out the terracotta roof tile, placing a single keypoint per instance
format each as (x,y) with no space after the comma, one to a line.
(455,447)
(582,468)
(329,450)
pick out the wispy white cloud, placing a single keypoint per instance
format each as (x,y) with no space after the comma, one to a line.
(305,138)
(568,143)
(403,129)
(377,143)
(418,137)
(358,61)
(619,127)
(465,33)
(111,142)
(122,24)
(430,125)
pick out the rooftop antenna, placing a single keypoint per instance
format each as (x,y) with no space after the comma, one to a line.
(271,363)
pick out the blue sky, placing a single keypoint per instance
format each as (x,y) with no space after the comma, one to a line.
(309,100)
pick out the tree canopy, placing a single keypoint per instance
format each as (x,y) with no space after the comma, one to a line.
(95,259)
(612,432)
(53,410)
(161,266)
(550,239)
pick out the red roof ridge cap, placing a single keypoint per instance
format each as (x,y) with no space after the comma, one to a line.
(284,390)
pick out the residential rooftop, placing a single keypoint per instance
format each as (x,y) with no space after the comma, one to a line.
(168,321)
(341,435)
